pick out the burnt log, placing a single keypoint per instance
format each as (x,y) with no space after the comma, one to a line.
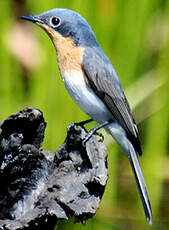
(38,187)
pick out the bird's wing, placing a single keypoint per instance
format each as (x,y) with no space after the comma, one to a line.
(103,79)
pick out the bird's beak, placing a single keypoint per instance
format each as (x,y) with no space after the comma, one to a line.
(37,20)
(32,18)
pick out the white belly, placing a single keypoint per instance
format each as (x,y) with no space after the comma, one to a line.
(85,97)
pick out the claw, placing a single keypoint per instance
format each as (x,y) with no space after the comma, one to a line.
(100,135)
(94,131)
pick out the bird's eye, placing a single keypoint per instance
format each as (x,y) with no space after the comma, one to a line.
(54,21)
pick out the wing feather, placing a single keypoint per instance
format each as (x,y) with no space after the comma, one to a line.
(103,79)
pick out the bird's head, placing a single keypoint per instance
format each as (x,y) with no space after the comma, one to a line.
(65,23)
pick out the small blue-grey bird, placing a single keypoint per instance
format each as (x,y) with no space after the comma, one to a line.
(93,83)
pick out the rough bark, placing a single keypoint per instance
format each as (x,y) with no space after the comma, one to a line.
(39,187)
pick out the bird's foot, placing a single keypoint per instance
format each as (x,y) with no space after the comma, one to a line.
(90,134)
(94,131)
(87,137)
(100,135)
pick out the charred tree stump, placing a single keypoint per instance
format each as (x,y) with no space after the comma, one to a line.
(38,187)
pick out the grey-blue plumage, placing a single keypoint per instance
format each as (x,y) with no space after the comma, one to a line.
(71,22)
(93,83)
(103,79)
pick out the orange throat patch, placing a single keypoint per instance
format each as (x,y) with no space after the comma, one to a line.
(69,55)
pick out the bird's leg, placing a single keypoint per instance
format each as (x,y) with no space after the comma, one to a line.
(93,131)
(82,123)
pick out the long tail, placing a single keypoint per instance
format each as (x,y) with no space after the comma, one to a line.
(119,135)
(140,183)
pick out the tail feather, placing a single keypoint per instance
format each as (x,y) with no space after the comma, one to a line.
(140,182)
(119,135)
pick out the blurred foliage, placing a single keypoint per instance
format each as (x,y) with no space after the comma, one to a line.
(135,36)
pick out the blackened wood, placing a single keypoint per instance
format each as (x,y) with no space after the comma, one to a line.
(39,187)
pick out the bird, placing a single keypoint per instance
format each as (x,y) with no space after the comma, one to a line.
(93,83)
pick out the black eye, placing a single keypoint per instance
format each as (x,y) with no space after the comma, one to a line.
(54,21)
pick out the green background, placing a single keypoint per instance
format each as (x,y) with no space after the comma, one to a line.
(135,36)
